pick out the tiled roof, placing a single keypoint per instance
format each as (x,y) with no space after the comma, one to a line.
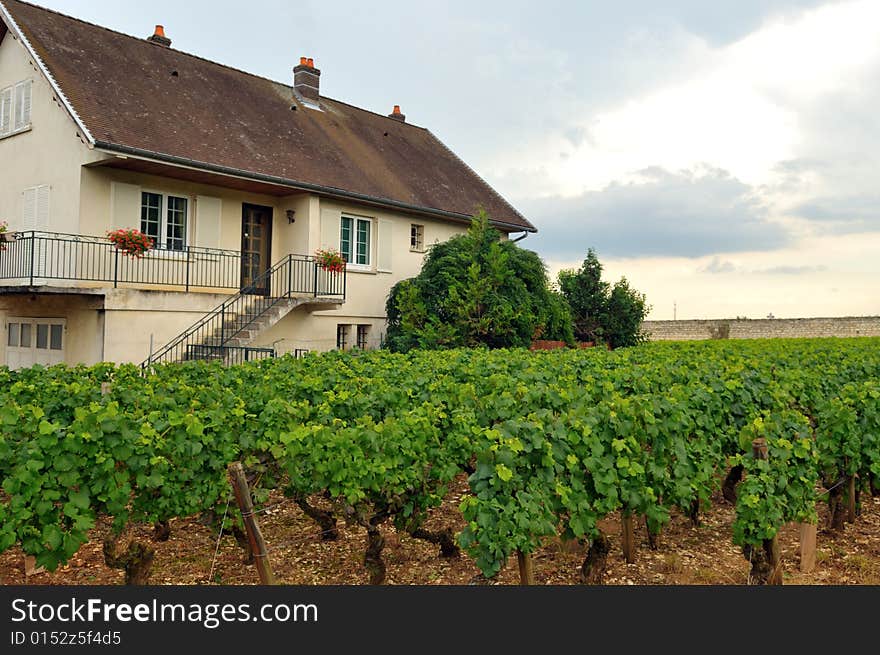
(133,94)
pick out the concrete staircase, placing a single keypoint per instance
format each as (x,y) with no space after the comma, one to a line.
(230,331)
(242,328)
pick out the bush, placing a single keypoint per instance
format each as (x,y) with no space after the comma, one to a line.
(602,313)
(476,290)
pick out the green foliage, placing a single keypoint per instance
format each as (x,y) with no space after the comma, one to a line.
(553,442)
(476,290)
(781,488)
(586,294)
(601,312)
(624,314)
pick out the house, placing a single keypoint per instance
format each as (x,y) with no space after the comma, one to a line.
(238,179)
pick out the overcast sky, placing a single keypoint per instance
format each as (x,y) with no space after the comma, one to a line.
(721,155)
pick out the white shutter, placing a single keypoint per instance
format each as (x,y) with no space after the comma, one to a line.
(5,111)
(36,217)
(384,246)
(330,224)
(208,219)
(29,216)
(26,103)
(22,105)
(42,222)
(125,205)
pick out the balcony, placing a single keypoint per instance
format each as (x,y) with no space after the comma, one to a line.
(38,258)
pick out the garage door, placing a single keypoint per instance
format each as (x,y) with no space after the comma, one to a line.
(32,341)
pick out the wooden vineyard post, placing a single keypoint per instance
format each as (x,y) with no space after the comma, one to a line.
(628,538)
(770,546)
(30,566)
(526,572)
(851,500)
(255,537)
(808,547)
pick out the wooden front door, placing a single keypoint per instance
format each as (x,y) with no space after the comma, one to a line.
(256,247)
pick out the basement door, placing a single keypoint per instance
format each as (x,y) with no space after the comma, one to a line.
(256,247)
(31,341)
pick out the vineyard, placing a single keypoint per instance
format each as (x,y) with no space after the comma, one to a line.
(548,444)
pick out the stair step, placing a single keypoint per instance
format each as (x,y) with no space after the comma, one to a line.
(245,318)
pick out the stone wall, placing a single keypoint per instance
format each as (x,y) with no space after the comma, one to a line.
(765,328)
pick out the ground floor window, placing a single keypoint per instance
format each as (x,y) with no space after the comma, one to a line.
(31,341)
(363,333)
(342,338)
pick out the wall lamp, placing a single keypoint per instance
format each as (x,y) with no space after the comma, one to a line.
(290,216)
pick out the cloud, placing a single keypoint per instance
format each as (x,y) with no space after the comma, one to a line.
(687,213)
(847,213)
(718,266)
(791,270)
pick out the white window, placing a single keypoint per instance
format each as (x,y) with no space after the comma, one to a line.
(15,108)
(355,240)
(164,218)
(31,341)
(417,237)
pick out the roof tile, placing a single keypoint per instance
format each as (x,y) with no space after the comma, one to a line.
(123,89)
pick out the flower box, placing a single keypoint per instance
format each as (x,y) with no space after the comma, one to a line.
(5,236)
(330,260)
(131,242)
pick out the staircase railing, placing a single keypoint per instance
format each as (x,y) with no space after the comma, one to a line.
(293,276)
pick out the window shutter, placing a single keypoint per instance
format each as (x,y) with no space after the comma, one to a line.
(22,105)
(125,205)
(208,220)
(42,213)
(385,246)
(330,228)
(29,216)
(26,103)
(36,217)
(6,111)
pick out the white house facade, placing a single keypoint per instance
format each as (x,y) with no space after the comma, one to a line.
(238,180)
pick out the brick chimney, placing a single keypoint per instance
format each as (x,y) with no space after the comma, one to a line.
(396,115)
(307,80)
(159,37)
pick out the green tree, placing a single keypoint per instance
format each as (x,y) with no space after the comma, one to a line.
(625,311)
(587,296)
(476,290)
(602,313)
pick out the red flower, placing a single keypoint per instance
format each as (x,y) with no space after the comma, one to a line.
(330,260)
(130,241)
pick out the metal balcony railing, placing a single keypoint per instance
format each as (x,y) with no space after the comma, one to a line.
(32,257)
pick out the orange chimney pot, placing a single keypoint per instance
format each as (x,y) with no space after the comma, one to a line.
(311,63)
(303,61)
(396,109)
(160,31)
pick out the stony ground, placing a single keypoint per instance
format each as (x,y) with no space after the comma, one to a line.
(687,555)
